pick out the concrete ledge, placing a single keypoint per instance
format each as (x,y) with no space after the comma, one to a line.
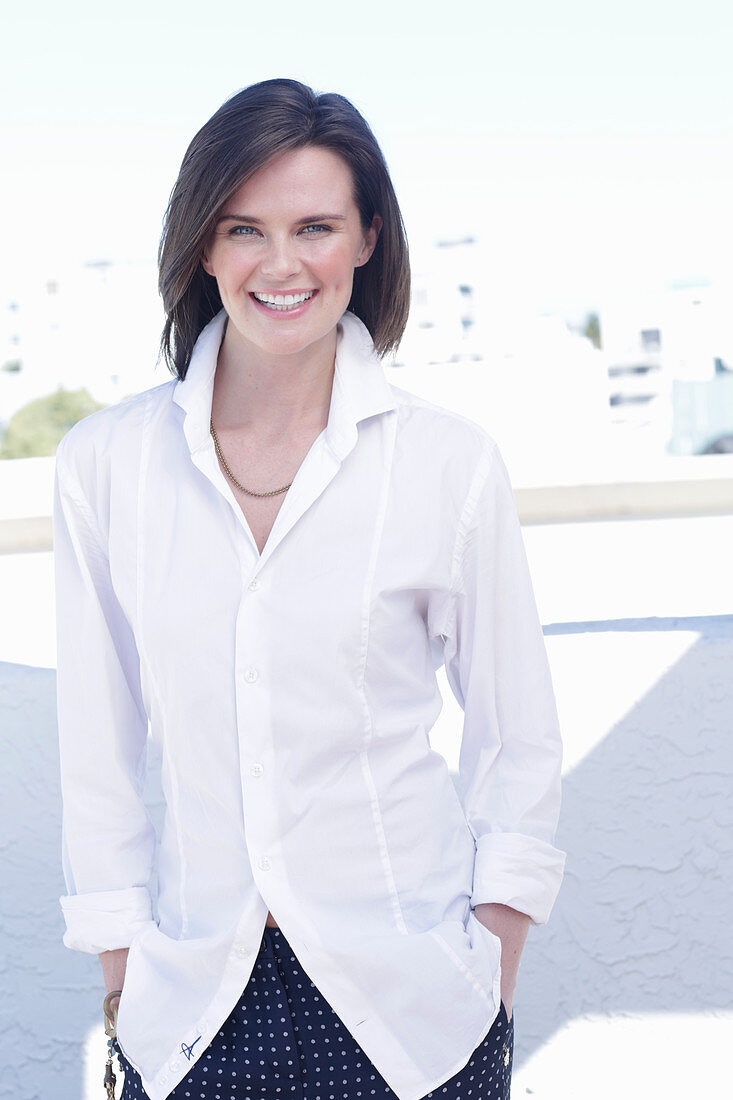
(614,488)
(25,534)
(625,499)
(543,504)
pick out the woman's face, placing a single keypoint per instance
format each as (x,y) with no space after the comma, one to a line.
(284,251)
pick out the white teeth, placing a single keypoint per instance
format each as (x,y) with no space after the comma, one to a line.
(283,302)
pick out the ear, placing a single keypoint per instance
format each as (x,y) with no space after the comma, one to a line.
(370,241)
(206,263)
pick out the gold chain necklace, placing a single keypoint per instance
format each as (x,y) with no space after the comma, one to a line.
(230,475)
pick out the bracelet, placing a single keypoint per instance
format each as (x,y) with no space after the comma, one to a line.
(110,1013)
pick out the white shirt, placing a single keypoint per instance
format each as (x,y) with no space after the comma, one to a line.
(291,695)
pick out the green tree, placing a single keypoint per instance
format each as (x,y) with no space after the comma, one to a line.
(592,329)
(37,427)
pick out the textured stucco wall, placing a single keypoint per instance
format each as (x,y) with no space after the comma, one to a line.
(641,924)
(51,996)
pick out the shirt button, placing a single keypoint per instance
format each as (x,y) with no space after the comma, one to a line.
(254,585)
(264,863)
(256,769)
(173,1066)
(242,950)
(250,675)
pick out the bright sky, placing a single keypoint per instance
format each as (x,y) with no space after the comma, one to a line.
(588,146)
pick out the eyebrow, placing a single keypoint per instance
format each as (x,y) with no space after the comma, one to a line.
(300,221)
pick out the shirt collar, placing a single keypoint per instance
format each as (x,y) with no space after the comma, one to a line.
(360,387)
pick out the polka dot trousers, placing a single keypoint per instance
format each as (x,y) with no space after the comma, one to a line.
(283,1040)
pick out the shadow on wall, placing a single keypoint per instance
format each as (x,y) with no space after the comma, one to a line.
(640,924)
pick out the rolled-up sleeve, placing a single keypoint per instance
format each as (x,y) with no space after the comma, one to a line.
(497,667)
(108,840)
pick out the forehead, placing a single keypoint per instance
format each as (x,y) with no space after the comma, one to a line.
(313,178)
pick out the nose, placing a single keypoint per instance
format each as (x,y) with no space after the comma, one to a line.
(280,260)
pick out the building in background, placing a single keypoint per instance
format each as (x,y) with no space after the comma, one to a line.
(670,366)
(94,327)
(446,309)
(538,387)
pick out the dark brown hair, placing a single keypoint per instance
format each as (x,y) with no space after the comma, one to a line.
(256,124)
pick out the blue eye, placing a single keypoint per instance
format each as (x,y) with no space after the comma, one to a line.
(241,231)
(317,228)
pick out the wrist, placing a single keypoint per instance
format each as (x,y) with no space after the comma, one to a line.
(511,927)
(114,965)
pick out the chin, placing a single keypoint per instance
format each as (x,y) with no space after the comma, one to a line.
(288,344)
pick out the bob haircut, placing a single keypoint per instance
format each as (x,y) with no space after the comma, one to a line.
(258,123)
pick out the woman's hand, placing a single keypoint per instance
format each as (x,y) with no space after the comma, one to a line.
(114,964)
(511,927)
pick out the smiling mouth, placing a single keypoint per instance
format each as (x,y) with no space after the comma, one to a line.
(282,303)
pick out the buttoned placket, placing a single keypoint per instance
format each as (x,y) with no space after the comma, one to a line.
(252,687)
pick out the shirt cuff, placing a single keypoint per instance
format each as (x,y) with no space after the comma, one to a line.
(517,870)
(106,920)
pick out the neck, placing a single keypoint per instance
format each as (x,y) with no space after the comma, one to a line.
(269,394)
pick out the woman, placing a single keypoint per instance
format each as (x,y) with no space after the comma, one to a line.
(263,562)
